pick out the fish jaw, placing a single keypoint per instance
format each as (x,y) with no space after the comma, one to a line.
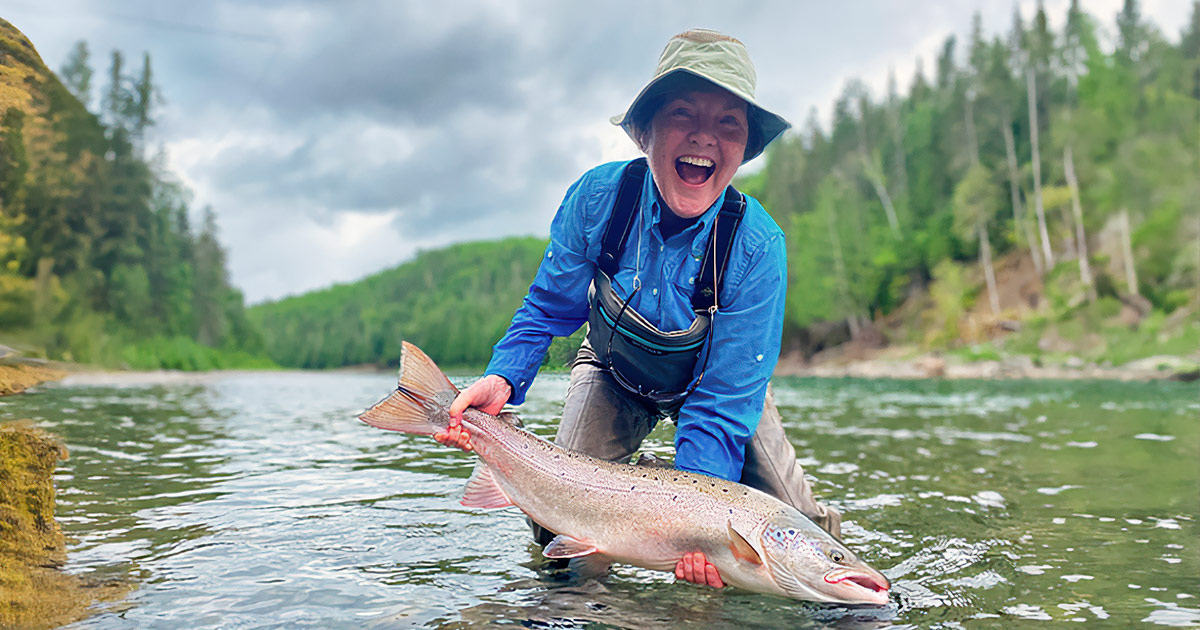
(857,585)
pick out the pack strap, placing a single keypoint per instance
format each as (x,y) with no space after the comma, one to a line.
(732,211)
(624,214)
(620,224)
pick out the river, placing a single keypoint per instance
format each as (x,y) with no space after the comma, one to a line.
(257,500)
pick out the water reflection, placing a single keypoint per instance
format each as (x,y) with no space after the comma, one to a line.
(258,501)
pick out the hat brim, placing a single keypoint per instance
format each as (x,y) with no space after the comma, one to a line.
(765,125)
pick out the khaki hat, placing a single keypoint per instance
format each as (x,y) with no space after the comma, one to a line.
(720,60)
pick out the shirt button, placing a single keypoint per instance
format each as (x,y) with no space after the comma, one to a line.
(660,247)
(655,291)
(692,280)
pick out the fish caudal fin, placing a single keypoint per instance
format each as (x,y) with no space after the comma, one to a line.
(420,403)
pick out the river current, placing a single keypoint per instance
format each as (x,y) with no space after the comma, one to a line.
(257,500)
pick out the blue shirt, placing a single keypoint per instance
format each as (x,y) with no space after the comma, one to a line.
(721,415)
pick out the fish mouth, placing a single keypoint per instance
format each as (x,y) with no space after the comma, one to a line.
(695,170)
(859,585)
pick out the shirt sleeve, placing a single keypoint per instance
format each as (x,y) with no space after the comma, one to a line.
(556,304)
(721,415)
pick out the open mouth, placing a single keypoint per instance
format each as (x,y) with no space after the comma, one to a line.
(875,585)
(694,170)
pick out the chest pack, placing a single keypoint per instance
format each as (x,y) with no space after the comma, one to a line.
(658,366)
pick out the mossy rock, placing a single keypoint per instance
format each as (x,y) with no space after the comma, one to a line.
(34,594)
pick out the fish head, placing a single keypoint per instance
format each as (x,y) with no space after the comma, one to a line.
(808,563)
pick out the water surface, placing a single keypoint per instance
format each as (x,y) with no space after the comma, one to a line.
(258,501)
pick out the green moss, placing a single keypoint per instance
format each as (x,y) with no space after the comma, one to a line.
(34,594)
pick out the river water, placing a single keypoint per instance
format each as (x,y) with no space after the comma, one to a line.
(259,501)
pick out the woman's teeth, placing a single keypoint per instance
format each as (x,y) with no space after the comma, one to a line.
(696,161)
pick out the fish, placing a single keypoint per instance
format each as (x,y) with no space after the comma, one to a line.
(605,512)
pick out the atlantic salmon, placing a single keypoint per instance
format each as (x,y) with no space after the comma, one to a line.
(606,512)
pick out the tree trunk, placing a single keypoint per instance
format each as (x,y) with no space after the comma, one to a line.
(901,163)
(1014,187)
(1127,253)
(876,179)
(989,274)
(1085,270)
(875,175)
(1031,91)
(972,140)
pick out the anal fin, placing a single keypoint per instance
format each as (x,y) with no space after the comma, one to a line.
(566,547)
(482,491)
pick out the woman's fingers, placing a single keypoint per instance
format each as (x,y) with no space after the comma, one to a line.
(695,568)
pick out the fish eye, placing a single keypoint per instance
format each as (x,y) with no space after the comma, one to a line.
(836,556)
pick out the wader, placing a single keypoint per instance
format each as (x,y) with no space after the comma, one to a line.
(629,374)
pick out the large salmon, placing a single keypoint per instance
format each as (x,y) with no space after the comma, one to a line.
(648,517)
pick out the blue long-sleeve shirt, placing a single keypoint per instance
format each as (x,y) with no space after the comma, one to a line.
(720,416)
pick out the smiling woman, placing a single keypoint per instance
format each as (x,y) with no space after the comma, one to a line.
(620,245)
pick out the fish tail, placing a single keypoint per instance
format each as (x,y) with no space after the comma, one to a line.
(421,401)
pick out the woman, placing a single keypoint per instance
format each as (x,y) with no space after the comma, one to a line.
(681,280)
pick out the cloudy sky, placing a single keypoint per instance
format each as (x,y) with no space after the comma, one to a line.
(336,139)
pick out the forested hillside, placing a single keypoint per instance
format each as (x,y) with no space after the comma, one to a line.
(454,303)
(98,260)
(1036,193)
(1039,146)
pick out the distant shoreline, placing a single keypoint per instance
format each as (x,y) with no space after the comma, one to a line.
(881,364)
(904,363)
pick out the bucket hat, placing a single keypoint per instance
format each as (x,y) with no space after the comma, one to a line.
(720,60)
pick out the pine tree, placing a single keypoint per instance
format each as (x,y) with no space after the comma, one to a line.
(76,74)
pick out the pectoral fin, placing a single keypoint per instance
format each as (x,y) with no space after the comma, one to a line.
(567,547)
(482,491)
(741,548)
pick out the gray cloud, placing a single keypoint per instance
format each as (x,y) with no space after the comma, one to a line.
(334,139)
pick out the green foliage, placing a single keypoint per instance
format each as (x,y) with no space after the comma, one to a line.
(949,293)
(454,303)
(96,253)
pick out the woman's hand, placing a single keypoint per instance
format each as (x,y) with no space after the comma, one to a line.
(488,395)
(695,568)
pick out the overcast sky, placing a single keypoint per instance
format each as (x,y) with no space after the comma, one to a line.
(336,139)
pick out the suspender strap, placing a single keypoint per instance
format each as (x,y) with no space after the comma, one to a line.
(620,224)
(727,222)
(624,214)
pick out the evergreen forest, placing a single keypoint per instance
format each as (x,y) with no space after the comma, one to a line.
(99,260)
(1034,192)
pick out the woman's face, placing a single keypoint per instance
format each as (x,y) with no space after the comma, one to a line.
(696,143)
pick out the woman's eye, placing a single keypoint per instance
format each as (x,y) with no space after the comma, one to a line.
(681,111)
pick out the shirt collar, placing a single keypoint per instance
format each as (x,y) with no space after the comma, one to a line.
(651,199)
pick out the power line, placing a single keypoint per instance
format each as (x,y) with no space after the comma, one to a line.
(198,29)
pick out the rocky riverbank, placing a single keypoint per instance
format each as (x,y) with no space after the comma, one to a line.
(903,362)
(17,376)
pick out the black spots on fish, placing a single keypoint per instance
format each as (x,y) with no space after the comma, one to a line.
(724,489)
(731,510)
(632,488)
(694,481)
